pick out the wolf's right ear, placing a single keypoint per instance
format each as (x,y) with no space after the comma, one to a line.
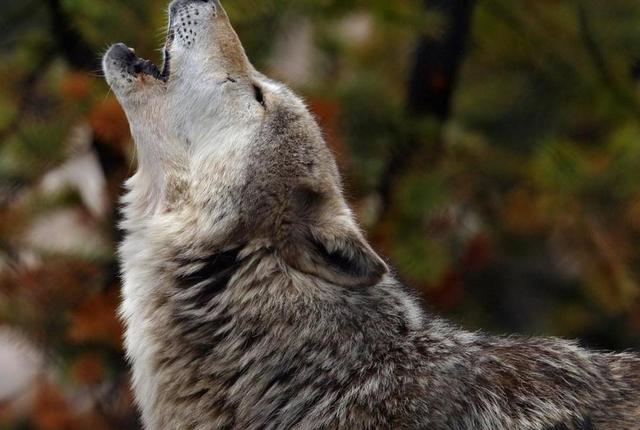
(320,238)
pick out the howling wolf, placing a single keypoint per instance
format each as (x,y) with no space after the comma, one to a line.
(252,300)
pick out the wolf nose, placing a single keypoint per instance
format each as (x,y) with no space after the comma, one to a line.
(121,52)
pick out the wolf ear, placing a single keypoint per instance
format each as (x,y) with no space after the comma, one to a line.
(322,240)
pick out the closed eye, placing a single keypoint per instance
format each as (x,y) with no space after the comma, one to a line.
(259,95)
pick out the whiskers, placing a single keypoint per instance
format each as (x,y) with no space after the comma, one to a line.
(99,73)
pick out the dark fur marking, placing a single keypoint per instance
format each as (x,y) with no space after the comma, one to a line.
(203,336)
(281,377)
(306,409)
(233,379)
(285,398)
(214,287)
(215,328)
(213,277)
(583,424)
(559,427)
(190,325)
(250,340)
(259,95)
(337,259)
(212,266)
(306,202)
(190,398)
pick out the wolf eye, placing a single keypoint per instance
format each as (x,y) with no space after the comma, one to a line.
(259,95)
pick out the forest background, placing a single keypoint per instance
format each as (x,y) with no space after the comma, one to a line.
(491,150)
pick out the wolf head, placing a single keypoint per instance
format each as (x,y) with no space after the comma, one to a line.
(227,156)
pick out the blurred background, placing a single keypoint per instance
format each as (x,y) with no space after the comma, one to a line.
(491,149)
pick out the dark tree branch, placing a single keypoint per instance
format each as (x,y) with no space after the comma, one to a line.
(431,85)
(635,71)
(437,64)
(73,47)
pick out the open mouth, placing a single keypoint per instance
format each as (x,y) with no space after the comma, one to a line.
(137,66)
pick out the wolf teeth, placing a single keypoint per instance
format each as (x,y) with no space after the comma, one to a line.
(166,66)
(141,65)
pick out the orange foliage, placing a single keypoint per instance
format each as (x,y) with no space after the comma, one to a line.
(6,416)
(447,293)
(109,122)
(13,221)
(88,369)
(75,86)
(633,214)
(525,212)
(327,113)
(51,410)
(95,320)
(478,254)
(43,286)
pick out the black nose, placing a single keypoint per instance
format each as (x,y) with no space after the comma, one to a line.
(121,52)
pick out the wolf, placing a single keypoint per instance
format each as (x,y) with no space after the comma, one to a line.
(252,300)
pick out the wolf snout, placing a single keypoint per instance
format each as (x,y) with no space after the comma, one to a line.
(121,54)
(177,5)
(121,64)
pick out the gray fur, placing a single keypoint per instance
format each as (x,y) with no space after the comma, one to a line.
(252,300)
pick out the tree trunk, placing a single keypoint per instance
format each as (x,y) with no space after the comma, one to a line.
(437,63)
(431,86)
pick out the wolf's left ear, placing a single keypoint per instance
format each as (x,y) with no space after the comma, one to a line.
(322,240)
